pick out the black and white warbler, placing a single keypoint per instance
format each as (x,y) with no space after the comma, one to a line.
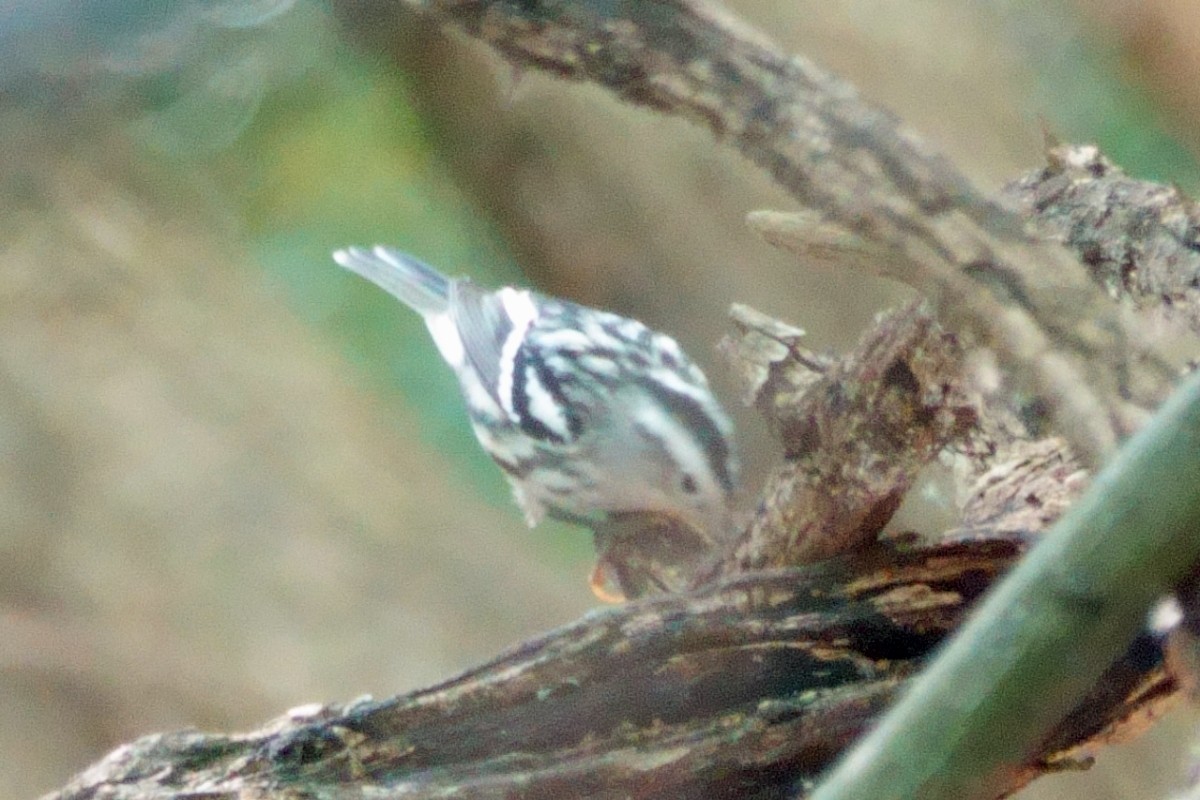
(589,414)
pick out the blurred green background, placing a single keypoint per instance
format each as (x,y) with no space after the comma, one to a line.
(235,479)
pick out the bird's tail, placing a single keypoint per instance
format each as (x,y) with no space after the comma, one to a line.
(409,280)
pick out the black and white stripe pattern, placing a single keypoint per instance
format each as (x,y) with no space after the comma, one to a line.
(572,344)
(586,412)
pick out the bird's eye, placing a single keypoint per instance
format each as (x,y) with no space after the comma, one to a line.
(688,483)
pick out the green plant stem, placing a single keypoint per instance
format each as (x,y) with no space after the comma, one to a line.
(1043,637)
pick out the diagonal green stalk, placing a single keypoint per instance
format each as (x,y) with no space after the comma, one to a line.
(1045,634)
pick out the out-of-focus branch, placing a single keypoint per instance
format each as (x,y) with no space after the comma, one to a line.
(1140,240)
(1027,300)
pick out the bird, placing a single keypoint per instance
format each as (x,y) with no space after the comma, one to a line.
(590,415)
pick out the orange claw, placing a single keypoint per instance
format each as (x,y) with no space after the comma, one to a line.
(603,587)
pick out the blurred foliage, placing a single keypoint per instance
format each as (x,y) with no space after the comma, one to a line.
(340,159)
(355,166)
(1082,86)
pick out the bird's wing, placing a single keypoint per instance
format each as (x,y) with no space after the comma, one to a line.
(484,325)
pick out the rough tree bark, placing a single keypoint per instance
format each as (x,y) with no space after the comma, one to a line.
(789,642)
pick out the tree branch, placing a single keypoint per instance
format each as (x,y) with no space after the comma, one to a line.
(1091,583)
(1139,240)
(856,433)
(747,688)
(1027,300)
